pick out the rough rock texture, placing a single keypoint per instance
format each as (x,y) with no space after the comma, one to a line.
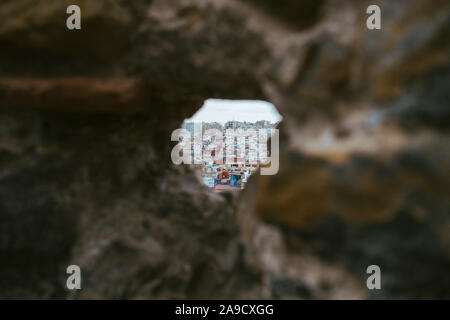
(85,170)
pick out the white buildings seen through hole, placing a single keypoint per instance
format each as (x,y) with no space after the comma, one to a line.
(230,140)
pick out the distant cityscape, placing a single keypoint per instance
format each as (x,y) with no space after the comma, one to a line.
(221,175)
(261,124)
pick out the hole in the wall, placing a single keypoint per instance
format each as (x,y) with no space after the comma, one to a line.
(228,140)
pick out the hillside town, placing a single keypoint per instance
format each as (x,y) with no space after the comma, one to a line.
(224,171)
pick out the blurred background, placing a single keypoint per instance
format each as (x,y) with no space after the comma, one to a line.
(85,170)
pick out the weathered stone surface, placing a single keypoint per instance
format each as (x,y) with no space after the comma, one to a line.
(368,183)
(124,95)
(363,170)
(32,25)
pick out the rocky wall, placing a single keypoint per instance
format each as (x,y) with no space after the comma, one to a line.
(85,170)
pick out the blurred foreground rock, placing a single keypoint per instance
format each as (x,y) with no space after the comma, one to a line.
(85,170)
